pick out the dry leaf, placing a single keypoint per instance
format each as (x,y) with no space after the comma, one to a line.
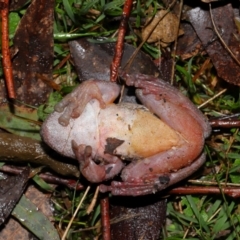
(34,41)
(166,30)
(226,66)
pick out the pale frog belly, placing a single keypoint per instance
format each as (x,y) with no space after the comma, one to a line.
(83,130)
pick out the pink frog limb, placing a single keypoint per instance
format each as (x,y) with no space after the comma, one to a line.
(75,102)
(156,184)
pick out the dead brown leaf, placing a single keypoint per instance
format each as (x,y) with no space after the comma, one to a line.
(226,66)
(11,189)
(166,30)
(34,42)
(189,44)
(92,60)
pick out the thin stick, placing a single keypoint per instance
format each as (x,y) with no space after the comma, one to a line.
(230,191)
(119,44)
(6,61)
(214,183)
(93,202)
(202,68)
(215,96)
(49,178)
(225,123)
(105,218)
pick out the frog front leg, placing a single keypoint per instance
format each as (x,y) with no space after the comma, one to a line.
(180,114)
(74,103)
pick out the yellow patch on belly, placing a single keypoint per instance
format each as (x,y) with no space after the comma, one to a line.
(150,135)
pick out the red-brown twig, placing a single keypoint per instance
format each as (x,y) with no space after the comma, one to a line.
(230,191)
(225,122)
(70,183)
(203,67)
(105,218)
(49,82)
(49,178)
(120,41)
(62,63)
(6,58)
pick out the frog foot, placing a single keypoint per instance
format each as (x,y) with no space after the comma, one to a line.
(74,103)
(89,169)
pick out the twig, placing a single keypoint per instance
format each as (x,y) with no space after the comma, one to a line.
(202,68)
(49,178)
(6,61)
(93,202)
(49,82)
(105,218)
(119,44)
(229,122)
(230,191)
(70,183)
(214,183)
(61,64)
(215,96)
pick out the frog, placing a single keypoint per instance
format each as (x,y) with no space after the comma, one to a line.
(129,149)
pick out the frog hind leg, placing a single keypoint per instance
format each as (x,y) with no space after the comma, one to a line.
(157,182)
(163,90)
